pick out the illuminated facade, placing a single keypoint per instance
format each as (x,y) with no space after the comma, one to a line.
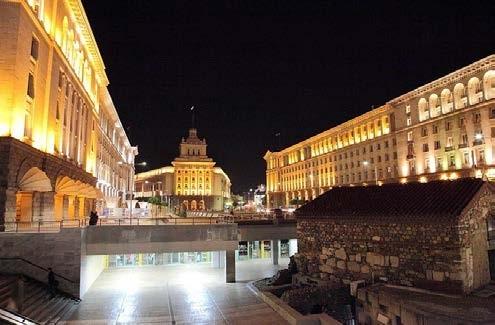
(193,182)
(442,130)
(65,149)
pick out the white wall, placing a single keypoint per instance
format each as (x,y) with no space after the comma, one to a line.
(91,268)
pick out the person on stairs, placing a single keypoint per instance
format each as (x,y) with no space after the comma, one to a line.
(52,283)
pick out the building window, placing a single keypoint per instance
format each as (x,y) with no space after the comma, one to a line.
(395,155)
(439,163)
(408,121)
(425,147)
(35,44)
(435,129)
(437,145)
(477,117)
(378,147)
(492,113)
(424,132)
(427,165)
(450,142)
(448,126)
(466,158)
(30,87)
(408,109)
(387,157)
(409,136)
(451,161)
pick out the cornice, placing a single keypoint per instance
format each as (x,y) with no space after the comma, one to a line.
(480,65)
(88,39)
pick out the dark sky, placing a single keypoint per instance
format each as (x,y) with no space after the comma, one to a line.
(255,68)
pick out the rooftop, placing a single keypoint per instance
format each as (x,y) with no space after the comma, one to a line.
(434,201)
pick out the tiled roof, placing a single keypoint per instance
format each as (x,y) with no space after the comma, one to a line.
(433,201)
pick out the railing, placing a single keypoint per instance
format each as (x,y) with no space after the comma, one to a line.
(211,219)
(11,317)
(21,259)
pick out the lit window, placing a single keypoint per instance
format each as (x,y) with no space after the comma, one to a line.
(30,88)
(34,48)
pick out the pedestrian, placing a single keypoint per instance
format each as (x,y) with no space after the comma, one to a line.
(52,283)
(91,219)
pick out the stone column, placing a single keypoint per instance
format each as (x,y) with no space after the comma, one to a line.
(70,207)
(229,266)
(275,251)
(65,207)
(47,206)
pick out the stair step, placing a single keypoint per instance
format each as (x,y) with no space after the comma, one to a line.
(31,309)
(65,313)
(55,311)
(45,309)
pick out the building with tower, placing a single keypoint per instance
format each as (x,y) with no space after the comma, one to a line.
(192,183)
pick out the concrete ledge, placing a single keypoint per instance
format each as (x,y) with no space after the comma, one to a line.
(291,315)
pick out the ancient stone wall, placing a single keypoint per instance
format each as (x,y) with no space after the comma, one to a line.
(411,254)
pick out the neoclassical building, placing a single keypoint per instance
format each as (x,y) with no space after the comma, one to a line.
(63,150)
(441,130)
(192,183)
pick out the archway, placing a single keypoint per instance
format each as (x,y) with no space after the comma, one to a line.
(446,100)
(74,199)
(474,91)
(202,205)
(424,113)
(489,84)
(194,205)
(459,96)
(30,191)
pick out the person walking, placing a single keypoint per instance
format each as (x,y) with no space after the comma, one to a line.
(52,283)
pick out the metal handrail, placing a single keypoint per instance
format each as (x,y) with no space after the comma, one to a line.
(46,226)
(7,315)
(36,265)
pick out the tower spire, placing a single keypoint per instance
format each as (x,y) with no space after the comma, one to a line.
(192,117)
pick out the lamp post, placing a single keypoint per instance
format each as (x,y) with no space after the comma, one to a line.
(366,164)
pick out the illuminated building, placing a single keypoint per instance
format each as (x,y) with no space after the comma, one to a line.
(64,151)
(192,183)
(442,130)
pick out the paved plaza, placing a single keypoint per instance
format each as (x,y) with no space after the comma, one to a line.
(181,294)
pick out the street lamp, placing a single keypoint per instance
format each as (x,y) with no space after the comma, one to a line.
(366,164)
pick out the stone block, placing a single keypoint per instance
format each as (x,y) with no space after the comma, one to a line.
(365,269)
(331,262)
(358,257)
(438,276)
(340,253)
(326,269)
(375,259)
(376,238)
(394,261)
(354,266)
(352,257)
(341,264)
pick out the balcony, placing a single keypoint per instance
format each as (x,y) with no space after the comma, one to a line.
(449,148)
(461,145)
(477,142)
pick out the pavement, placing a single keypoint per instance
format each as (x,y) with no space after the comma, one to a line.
(178,294)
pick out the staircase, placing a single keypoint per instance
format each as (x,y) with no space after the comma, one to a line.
(37,306)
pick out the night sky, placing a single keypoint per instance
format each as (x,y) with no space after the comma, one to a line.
(256,68)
